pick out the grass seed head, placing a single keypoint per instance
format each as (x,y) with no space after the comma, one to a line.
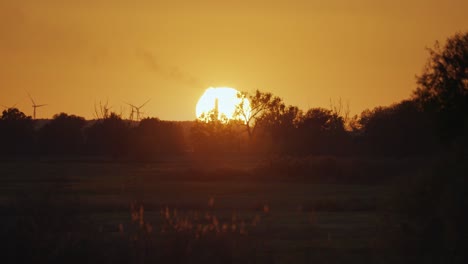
(211,202)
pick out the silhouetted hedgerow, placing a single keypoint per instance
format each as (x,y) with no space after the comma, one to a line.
(432,120)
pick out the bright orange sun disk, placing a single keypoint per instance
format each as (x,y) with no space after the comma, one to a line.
(225,99)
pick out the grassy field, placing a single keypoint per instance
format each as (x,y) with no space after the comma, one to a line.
(267,221)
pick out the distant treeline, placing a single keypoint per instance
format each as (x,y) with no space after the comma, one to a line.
(70,135)
(399,130)
(433,119)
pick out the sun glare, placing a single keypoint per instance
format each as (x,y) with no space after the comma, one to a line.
(224,100)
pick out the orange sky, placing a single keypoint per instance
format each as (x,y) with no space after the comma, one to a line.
(70,54)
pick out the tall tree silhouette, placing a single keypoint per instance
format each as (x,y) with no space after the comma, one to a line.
(443,86)
(261,105)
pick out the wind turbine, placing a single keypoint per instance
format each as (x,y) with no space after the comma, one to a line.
(132,111)
(136,109)
(34,105)
(9,107)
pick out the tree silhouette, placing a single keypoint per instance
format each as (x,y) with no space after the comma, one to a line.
(16,133)
(14,114)
(322,132)
(401,129)
(277,128)
(63,135)
(211,134)
(443,86)
(261,105)
(108,136)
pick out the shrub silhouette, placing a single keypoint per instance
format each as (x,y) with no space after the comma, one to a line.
(108,137)
(63,135)
(153,138)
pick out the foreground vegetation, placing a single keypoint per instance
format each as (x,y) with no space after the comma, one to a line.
(185,211)
(126,212)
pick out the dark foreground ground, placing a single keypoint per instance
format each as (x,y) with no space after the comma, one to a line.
(178,211)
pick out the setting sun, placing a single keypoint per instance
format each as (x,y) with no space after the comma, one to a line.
(222,99)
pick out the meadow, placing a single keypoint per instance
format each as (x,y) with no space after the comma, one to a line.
(189,210)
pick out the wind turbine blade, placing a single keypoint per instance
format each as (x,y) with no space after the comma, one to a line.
(9,107)
(144,103)
(30,97)
(41,105)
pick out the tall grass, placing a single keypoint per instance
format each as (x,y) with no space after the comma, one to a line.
(53,231)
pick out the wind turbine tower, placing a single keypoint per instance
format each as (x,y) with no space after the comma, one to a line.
(35,106)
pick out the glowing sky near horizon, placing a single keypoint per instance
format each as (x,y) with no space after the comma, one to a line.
(71,54)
